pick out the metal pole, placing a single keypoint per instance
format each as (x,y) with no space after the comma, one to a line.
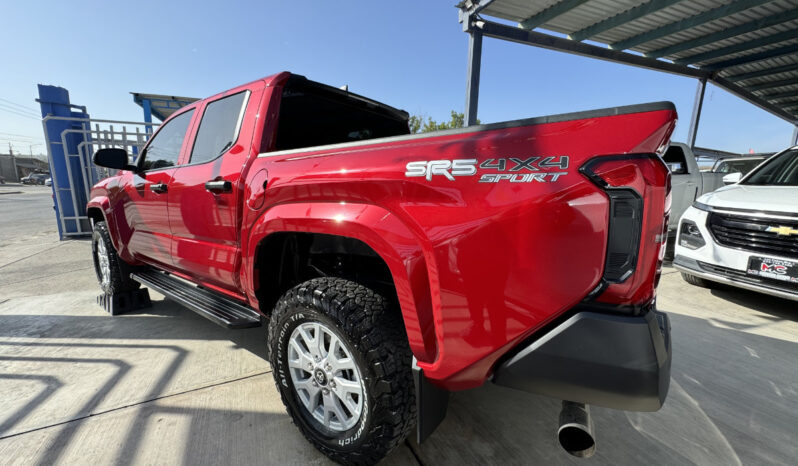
(795,136)
(13,163)
(55,186)
(474,65)
(696,117)
(147,106)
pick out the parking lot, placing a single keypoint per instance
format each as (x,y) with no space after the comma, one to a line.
(163,385)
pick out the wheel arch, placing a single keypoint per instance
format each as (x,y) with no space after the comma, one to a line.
(378,230)
(96,211)
(99,209)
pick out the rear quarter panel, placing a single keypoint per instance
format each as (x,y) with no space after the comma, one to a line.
(502,259)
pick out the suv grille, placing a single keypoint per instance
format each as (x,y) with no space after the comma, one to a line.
(750,233)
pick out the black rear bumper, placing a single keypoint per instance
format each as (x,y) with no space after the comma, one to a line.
(615,361)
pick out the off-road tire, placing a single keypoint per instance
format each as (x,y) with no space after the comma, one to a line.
(697,281)
(120,270)
(375,334)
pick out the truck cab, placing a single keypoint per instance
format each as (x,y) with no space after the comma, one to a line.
(687,180)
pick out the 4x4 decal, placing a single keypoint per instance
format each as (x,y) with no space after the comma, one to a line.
(511,169)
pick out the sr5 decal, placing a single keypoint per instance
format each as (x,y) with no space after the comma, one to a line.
(447,168)
(512,169)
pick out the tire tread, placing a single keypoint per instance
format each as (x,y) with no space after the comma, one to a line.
(379,335)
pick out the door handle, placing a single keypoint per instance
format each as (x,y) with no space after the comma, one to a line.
(158,188)
(218,187)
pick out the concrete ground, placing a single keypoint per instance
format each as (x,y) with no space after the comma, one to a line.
(165,386)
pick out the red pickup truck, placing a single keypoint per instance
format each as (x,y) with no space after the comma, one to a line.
(392,268)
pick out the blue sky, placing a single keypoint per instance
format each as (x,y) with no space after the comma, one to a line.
(411,55)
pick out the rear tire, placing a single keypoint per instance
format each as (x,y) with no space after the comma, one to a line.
(670,249)
(113,274)
(697,281)
(357,331)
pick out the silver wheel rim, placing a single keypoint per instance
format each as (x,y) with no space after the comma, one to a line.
(325,377)
(103,263)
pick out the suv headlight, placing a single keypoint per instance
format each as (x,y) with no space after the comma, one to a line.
(690,236)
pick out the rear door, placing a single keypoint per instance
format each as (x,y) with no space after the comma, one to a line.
(148,191)
(206,194)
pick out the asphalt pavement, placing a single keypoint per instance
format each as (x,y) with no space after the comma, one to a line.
(165,386)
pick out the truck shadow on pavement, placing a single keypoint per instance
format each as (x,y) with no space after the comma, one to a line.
(731,401)
(239,418)
(173,323)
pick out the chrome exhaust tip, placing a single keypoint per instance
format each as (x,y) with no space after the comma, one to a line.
(576,430)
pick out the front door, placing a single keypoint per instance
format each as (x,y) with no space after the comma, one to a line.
(206,193)
(147,214)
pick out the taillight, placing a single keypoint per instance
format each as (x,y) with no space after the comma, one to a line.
(637,186)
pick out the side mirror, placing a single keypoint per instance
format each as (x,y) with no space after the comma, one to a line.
(113,158)
(676,168)
(732,178)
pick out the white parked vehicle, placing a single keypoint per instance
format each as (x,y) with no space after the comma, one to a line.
(746,234)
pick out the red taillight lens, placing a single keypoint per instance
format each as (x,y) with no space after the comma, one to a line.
(637,186)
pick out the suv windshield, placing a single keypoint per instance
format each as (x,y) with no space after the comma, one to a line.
(780,170)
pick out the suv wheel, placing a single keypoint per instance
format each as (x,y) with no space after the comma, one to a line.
(342,365)
(697,281)
(113,273)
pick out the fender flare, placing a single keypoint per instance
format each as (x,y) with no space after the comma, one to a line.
(103,204)
(383,232)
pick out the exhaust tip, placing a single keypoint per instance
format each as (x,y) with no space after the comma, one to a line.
(576,440)
(576,430)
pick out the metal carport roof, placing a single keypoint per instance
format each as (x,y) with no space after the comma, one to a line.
(748,47)
(162,106)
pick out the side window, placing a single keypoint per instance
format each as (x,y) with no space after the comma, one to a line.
(219,127)
(164,149)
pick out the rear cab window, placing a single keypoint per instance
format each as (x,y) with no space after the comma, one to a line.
(314,114)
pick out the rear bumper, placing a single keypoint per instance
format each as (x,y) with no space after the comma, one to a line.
(621,362)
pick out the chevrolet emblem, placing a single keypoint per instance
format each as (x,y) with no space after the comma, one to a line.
(783,231)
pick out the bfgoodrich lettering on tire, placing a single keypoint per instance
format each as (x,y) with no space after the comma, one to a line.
(342,365)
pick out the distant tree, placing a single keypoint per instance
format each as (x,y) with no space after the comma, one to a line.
(420,124)
(415,122)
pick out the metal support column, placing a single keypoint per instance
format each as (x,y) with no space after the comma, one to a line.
(14,163)
(794,136)
(474,65)
(696,117)
(147,106)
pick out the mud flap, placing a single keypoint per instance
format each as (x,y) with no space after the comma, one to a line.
(431,404)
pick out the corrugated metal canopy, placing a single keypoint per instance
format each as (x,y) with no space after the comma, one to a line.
(749,47)
(162,106)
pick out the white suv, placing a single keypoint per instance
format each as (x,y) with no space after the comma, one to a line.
(746,234)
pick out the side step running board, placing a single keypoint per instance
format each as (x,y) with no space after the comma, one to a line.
(213,306)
